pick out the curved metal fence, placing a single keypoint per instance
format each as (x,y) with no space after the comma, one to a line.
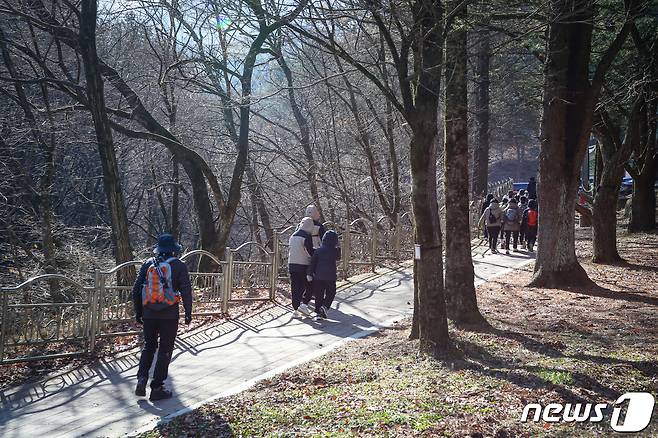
(51,316)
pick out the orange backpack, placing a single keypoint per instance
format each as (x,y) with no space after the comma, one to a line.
(532,218)
(158,292)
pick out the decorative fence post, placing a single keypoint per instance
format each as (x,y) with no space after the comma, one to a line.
(274,258)
(228,279)
(3,326)
(398,230)
(345,253)
(373,235)
(95,308)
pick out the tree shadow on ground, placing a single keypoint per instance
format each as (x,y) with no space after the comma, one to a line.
(476,358)
(555,350)
(601,292)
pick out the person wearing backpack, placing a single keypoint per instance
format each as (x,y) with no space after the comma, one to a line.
(531,222)
(512,224)
(523,205)
(300,250)
(162,281)
(492,218)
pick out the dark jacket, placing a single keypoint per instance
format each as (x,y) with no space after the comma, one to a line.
(180,282)
(532,189)
(323,262)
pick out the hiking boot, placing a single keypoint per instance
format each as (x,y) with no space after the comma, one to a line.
(304,310)
(140,389)
(321,312)
(160,393)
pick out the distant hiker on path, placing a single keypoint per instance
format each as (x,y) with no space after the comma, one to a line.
(323,273)
(492,218)
(485,204)
(532,188)
(531,222)
(300,250)
(318,230)
(523,206)
(161,283)
(512,224)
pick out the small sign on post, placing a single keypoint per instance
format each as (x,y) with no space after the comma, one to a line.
(417,251)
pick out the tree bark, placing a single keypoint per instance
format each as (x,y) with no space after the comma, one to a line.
(96,98)
(565,127)
(432,319)
(461,301)
(258,200)
(481,151)
(614,154)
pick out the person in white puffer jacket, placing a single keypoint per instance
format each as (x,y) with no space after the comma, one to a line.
(300,250)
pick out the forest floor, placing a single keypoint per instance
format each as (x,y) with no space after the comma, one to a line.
(543,346)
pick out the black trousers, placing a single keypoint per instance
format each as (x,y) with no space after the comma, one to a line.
(165,330)
(508,236)
(300,288)
(493,236)
(522,234)
(531,235)
(325,292)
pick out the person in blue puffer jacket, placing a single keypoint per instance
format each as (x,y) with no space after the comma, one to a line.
(323,273)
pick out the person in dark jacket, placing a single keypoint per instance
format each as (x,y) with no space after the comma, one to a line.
(322,272)
(160,319)
(531,223)
(300,250)
(532,188)
(523,205)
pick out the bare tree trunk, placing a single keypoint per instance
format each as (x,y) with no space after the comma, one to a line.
(175,200)
(43,194)
(481,152)
(95,95)
(566,124)
(461,301)
(432,319)
(258,200)
(614,153)
(304,132)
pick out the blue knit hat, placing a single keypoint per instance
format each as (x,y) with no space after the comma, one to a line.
(166,243)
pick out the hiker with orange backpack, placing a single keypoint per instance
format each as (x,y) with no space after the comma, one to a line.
(162,281)
(531,223)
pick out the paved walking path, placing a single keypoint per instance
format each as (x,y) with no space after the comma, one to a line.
(98,401)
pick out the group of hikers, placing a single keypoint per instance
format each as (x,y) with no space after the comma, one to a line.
(164,281)
(515,220)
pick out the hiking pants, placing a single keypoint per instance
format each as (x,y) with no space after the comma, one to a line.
(300,288)
(166,330)
(508,235)
(493,236)
(531,235)
(325,292)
